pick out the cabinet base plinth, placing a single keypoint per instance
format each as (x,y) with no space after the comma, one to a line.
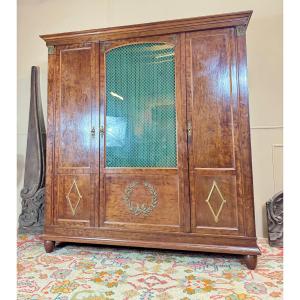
(249,252)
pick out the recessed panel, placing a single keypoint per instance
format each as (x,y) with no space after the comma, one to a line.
(74,199)
(209,68)
(142,202)
(74,108)
(215,203)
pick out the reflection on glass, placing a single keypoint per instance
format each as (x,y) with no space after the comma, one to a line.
(115,131)
(140,106)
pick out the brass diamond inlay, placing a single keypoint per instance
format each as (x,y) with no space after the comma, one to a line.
(73,209)
(223,201)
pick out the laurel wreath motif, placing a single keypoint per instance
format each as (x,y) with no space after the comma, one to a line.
(142,209)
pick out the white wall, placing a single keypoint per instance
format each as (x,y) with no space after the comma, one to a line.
(264,43)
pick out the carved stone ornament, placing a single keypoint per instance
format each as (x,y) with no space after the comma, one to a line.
(31,219)
(275,220)
(142,209)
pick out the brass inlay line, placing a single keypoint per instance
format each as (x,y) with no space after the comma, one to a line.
(73,209)
(216,215)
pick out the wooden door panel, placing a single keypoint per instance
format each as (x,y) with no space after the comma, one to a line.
(215,204)
(214,157)
(74,108)
(74,200)
(142,202)
(212,119)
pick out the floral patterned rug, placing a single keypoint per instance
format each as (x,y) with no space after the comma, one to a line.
(87,272)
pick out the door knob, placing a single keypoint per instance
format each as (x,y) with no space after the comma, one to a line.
(93,131)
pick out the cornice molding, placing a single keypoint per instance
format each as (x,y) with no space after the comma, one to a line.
(148,29)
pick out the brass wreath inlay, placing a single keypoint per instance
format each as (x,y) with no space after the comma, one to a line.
(223,201)
(73,209)
(143,209)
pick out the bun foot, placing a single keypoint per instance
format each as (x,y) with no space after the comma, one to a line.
(250,261)
(49,246)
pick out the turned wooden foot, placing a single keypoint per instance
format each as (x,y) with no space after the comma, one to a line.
(250,261)
(49,246)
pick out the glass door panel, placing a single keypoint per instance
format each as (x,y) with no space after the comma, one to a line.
(140,106)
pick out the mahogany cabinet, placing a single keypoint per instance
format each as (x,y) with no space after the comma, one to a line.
(148,140)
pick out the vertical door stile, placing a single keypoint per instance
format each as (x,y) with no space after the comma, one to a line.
(183,143)
(101,137)
(189,122)
(95,137)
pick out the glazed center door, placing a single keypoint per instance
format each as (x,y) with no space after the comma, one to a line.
(141,141)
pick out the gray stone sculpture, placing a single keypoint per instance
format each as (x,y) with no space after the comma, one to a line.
(31,219)
(275,220)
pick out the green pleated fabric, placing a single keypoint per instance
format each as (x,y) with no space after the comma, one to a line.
(140,106)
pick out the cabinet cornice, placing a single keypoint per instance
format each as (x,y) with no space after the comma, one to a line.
(149,29)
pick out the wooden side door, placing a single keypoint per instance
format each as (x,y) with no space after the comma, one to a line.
(213,133)
(76,165)
(142,181)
